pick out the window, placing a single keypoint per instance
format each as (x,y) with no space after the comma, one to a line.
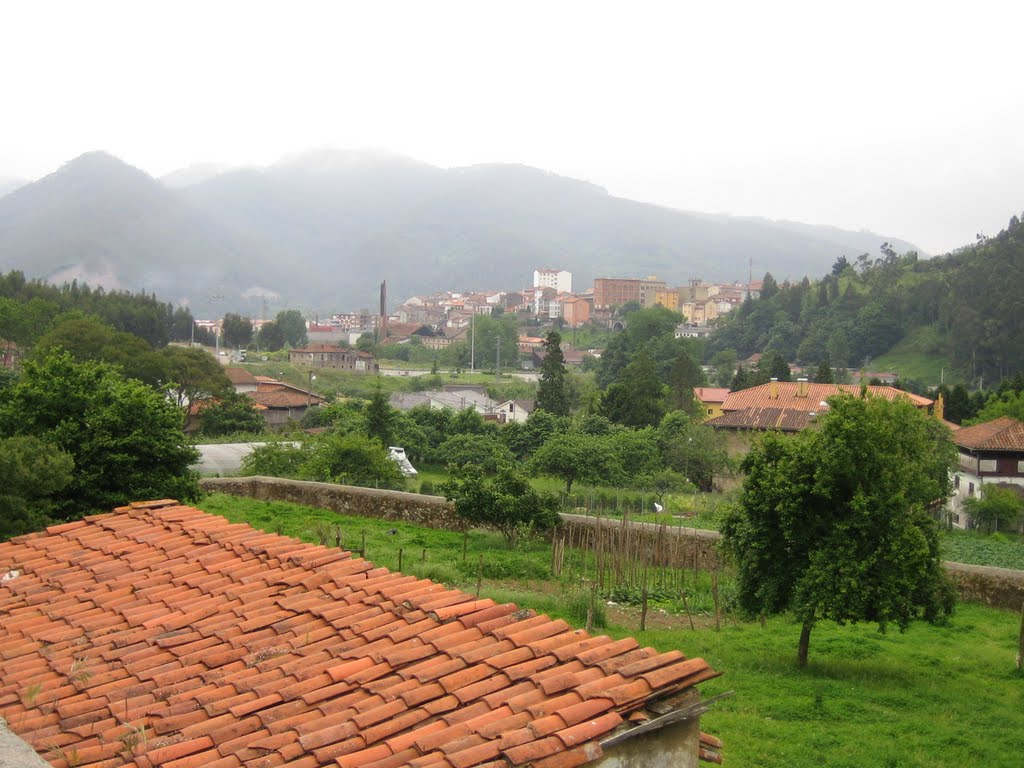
(1020,467)
(956,482)
(970,489)
(710,410)
(987,465)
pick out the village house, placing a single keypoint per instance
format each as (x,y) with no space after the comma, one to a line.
(281,402)
(989,454)
(160,635)
(338,358)
(710,400)
(788,406)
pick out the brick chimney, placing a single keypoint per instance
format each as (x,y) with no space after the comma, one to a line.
(773,389)
(939,409)
(801,390)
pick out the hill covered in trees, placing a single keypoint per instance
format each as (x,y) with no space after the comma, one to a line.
(969,300)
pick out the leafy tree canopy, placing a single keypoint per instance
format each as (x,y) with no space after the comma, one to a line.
(233,412)
(33,471)
(833,523)
(552,392)
(125,438)
(506,502)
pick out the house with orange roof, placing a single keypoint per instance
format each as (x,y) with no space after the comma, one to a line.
(788,406)
(710,400)
(159,635)
(989,454)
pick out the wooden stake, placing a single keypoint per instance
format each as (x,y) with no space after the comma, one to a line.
(686,605)
(400,558)
(1020,642)
(643,612)
(714,595)
(479,575)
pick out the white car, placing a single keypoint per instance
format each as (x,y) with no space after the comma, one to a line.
(397,455)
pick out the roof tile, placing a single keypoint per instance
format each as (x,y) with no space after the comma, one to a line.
(243,648)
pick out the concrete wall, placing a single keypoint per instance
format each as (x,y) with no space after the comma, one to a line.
(15,753)
(998,587)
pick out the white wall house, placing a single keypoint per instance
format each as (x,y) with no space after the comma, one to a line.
(559,279)
(990,453)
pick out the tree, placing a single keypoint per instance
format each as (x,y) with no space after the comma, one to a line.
(834,523)
(276,460)
(270,337)
(486,451)
(696,451)
(637,398)
(237,330)
(506,502)
(33,472)
(232,412)
(351,459)
(572,456)
(824,373)
(380,417)
(293,327)
(192,375)
(663,482)
(1008,404)
(552,394)
(88,338)
(685,375)
(125,438)
(996,503)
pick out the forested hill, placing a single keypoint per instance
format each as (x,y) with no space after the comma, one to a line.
(970,301)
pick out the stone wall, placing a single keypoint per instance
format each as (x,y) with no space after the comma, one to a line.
(998,587)
(431,511)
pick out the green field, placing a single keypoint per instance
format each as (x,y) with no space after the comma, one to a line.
(933,696)
(921,355)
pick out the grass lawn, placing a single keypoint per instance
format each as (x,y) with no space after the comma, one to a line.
(934,696)
(920,355)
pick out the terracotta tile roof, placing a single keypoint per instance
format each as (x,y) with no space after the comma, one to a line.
(239,376)
(789,397)
(284,398)
(711,394)
(783,419)
(227,646)
(1002,434)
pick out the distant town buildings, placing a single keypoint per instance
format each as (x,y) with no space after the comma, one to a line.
(558,279)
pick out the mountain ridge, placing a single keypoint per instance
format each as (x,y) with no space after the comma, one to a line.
(319,231)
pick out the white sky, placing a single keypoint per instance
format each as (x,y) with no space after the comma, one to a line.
(900,117)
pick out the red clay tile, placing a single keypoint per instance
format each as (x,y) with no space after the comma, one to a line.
(589,730)
(532,751)
(179,749)
(359,759)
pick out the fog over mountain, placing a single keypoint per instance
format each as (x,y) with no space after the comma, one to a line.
(320,230)
(9,185)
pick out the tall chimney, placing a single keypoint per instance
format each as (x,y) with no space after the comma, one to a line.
(773,389)
(939,409)
(801,390)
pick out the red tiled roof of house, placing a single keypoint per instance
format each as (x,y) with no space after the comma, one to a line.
(227,646)
(239,376)
(285,398)
(783,419)
(789,397)
(1002,434)
(711,394)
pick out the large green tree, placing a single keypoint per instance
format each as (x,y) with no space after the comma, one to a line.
(231,413)
(552,392)
(33,472)
(192,375)
(351,459)
(572,456)
(237,330)
(834,523)
(637,398)
(293,327)
(125,438)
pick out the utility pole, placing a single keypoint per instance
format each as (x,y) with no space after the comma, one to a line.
(497,364)
(472,343)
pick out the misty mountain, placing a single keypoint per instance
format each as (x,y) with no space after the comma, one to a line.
(320,231)
(8,184)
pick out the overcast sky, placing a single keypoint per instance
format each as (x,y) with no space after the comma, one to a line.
(904,118)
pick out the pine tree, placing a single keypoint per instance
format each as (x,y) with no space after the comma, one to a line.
(552,393)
